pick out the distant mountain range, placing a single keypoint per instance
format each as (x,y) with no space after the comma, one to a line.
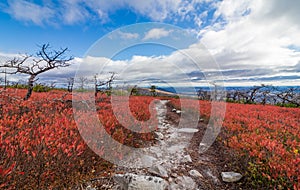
(193,91)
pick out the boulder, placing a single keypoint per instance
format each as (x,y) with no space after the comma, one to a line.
(188,130)
(159,170)
(159,135)
(183,183)
(186,158)
(231,176)
(195,173)
(131,181)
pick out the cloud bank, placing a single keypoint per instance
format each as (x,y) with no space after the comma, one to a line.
(253,41)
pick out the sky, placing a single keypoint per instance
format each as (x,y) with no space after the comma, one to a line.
(174,42)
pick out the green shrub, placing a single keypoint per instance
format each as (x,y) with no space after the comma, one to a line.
(41,88)
(288,105)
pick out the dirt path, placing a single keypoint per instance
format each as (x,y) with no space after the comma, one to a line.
(218,158)
(175,162)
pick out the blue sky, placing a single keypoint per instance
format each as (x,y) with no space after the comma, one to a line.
(72,24)
(251,41)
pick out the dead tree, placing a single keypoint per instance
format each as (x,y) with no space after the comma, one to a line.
(252,94)
(134,90)
(265,93)
(45,60)
(290,96)
(108,82)
(70,84)
(52,84)
(239,96)
(82,82)
(203,94)
(5,79)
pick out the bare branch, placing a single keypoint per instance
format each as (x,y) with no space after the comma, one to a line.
(46,60)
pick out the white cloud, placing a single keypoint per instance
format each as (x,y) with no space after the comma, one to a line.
(127,35)
(156,33)
(27,11)
(157,10)
(73,11)
(177,68)
(232,10)
(251,36)
(6,56)
(258,39)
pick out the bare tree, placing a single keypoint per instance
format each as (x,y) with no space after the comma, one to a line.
(265,93)
(236,95)
(70,84)
(203,94)
(98,84)
(82,82)
(52,84)
(290,96)
(108,82)
(252,94)
(5,79)
(134,90)
(45,60)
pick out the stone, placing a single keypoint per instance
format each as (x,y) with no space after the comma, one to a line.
(213,177)
(195,173)
(186,158)
(89,187)
(162,126)
(231,176)
(188,130)
(148,160)
(203,144)
(203,147)
(173,186)
(131,181)
(183,183)
(175,149)
(159,135)
(167,125)
(156,151)
(158,170)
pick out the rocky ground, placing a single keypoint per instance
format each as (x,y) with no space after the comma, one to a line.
(175,163)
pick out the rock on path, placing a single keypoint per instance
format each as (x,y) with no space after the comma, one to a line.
(231,176)
(131,181)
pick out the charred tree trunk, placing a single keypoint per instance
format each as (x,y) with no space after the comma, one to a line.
(30,87)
